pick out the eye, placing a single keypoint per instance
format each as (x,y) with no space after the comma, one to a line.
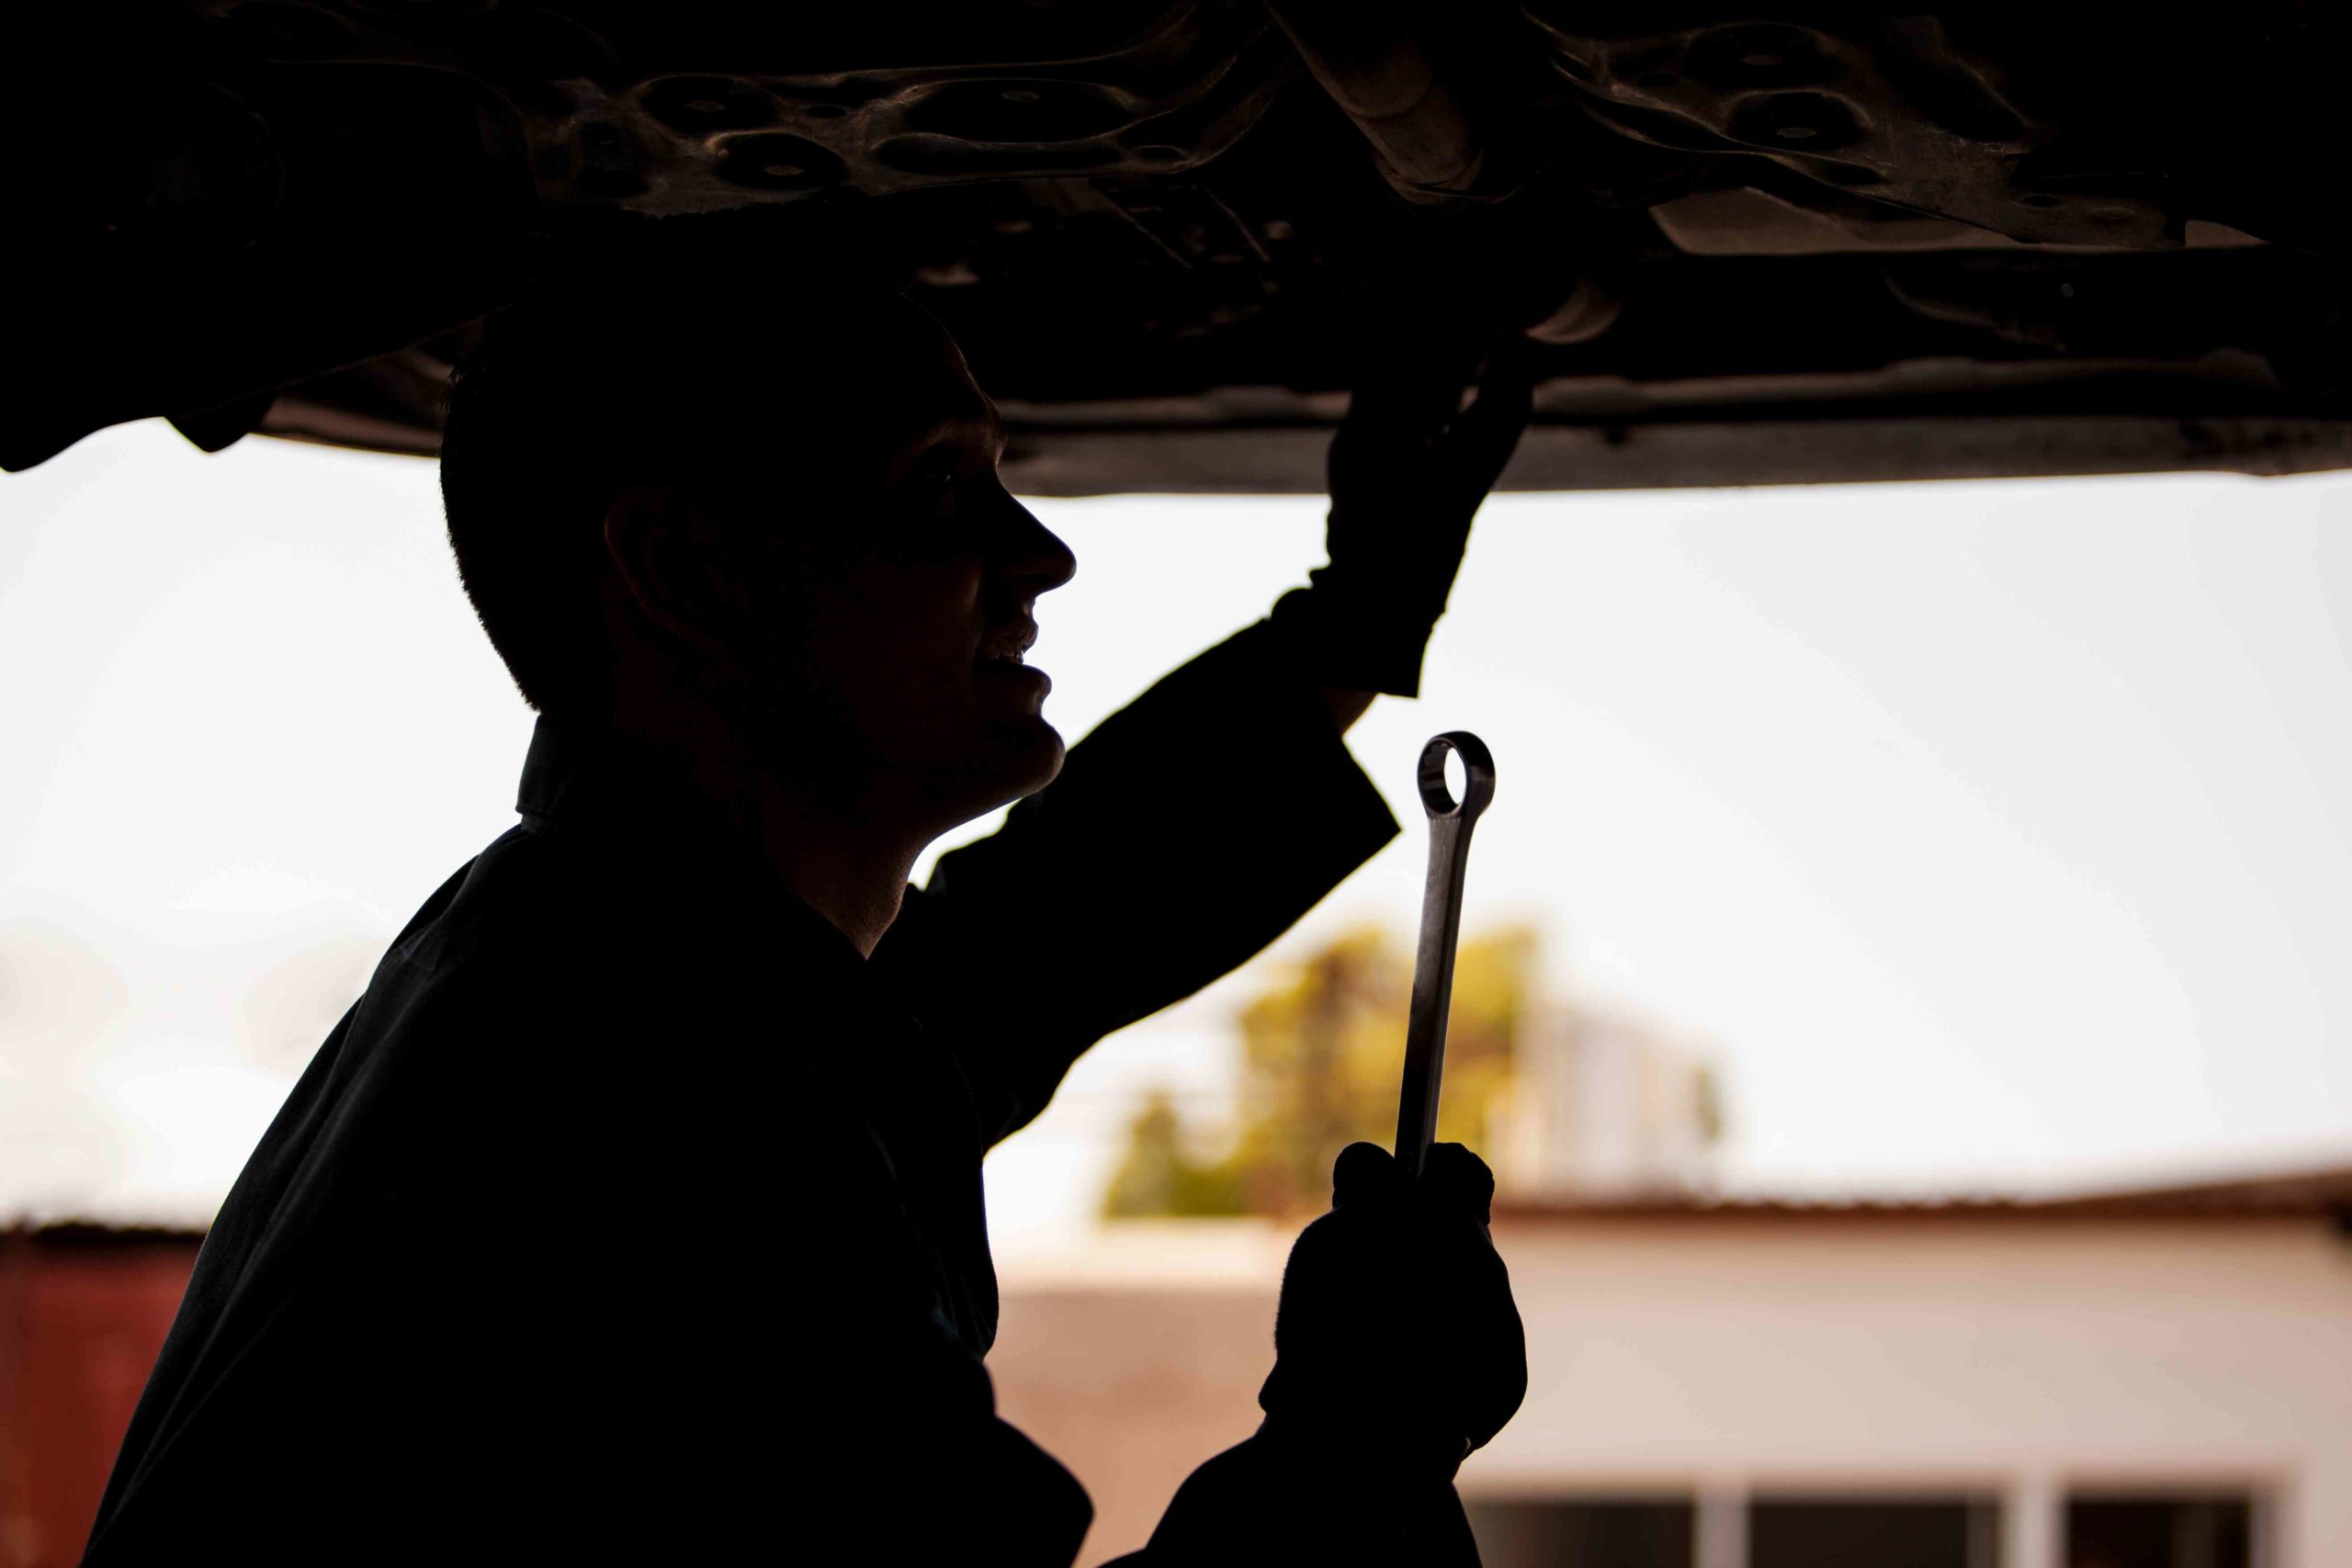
(930,485)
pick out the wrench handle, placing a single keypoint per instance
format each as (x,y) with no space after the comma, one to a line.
(1449,824)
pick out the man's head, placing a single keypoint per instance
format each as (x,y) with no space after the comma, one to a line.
(712,482)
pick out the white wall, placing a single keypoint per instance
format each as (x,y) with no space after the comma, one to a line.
(1725,1357)
(2023,1355)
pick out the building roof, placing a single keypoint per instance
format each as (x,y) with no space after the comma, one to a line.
(65,1235)
(1247,1247)
(2322,1194)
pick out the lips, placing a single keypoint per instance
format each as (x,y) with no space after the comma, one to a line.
(1003,655)
(1007,644)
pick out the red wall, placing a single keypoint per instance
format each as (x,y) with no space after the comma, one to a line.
(81,1316)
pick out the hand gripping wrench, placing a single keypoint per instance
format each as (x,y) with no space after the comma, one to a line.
(1449,824)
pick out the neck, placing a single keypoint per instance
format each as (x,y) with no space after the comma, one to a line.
(845,869)
(838,852)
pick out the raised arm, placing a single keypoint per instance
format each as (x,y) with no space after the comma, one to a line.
(1194,825)
(1190,829)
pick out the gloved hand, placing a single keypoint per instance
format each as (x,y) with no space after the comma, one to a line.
(1398,1350)
(1407,474)
(1397,1334)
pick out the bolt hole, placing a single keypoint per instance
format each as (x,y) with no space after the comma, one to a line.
(783,171)
(1815,120)
(1761,59)
(1019,94)
(706,106)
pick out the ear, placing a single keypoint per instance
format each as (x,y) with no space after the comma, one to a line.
(671,562)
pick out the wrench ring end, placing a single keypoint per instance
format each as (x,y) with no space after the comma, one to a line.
(1478,776)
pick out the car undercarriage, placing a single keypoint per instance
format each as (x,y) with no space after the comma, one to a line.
(1731,247)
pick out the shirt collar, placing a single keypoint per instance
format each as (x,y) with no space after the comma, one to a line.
(582,784)
(581,778)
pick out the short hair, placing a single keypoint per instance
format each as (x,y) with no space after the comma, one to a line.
(642,360)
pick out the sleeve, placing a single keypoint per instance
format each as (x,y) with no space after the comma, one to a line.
(1188,831)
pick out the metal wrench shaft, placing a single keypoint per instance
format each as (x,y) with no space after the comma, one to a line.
(1449,824)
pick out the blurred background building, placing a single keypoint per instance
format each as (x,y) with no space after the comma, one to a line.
(2147,1378)
(1603,1103)
(2141,1379)
(2151,1377)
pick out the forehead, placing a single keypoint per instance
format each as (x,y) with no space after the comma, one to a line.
(879,359)
(836,390)
(938,383)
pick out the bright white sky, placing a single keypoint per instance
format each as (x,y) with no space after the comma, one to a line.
(1992,834)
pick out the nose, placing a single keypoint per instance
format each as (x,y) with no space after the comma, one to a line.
(1030,555)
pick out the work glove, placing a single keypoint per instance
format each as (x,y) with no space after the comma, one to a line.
(1408,470)
(1396,1330)
(1398,1351)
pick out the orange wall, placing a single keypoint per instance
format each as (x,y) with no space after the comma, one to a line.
(82,1318)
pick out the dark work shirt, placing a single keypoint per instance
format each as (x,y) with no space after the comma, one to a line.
(631,1213)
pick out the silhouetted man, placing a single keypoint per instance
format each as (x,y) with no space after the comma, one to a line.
(634,1213)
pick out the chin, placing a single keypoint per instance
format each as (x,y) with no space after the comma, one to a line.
(1033,753)
(1011,759)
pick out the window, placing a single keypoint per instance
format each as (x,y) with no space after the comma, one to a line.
(2214,1530)
(1873,1532)
(1583,1533)
(2136,1529)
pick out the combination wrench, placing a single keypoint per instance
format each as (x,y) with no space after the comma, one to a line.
(1449,824)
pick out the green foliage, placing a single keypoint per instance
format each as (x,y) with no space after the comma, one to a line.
(1322,1053)
(1713,1120)
(1158,1176)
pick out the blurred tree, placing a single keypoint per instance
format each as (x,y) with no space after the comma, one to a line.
(1322,1052)
(1712,1121)
(1159,1176)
